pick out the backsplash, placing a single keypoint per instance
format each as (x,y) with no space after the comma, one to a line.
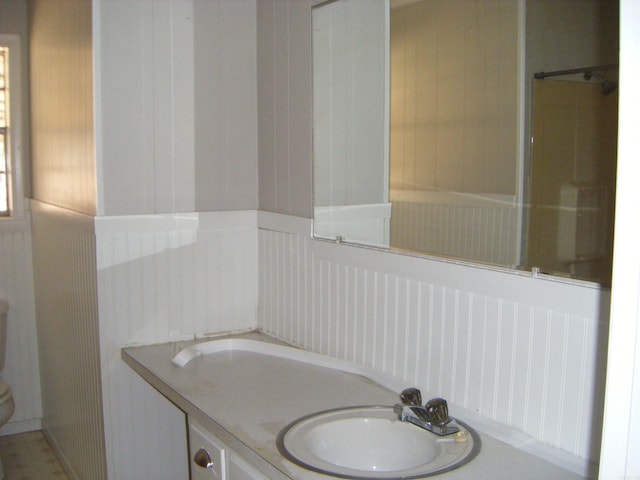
(519,350)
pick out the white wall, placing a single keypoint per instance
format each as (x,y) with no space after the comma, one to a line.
(176,100)
(61,97)
(226,123)
(175,130)
(176,122)
(66,303)
(161,278)
(64,182)
(284,107)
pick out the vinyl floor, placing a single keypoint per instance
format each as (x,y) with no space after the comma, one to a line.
(28,456)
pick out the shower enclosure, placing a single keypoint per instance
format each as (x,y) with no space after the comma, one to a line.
(572,173)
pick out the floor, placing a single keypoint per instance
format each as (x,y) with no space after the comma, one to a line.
(28,456)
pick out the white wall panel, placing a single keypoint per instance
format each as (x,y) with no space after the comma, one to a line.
(66,302)
(284,106)
(64,175)
(61,102)
(226,131)
(21,370)
(145,139)
(178,129)
(161,278)
(524,352)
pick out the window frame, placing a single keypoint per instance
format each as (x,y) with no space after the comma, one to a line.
(15,181)
(5,112)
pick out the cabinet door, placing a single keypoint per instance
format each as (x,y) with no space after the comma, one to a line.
(207,455)
(239,469)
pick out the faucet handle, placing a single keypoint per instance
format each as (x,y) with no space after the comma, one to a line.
(411,396)
(438,411)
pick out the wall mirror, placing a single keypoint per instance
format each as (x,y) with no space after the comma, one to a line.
(483,131)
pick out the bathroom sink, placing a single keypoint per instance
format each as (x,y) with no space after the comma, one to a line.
(371,443)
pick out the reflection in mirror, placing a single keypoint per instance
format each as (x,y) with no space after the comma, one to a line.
(452,145)
(573,164)
(350,121)
(455,155)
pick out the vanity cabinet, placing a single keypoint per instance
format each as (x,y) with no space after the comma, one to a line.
(239,469)
(210,459)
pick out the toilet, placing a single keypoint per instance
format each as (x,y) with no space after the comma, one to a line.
(6,397)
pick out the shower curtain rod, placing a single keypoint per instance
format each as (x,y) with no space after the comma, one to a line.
(598,68)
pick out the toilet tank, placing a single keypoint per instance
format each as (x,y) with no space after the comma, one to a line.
(4,308)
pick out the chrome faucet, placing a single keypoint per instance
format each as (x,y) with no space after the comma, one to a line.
(434,416)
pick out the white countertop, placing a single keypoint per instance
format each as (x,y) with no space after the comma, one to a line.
(246,398)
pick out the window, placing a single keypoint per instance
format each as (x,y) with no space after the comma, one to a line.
(4,131)
(12,196)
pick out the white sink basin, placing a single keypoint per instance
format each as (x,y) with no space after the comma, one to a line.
(370,442)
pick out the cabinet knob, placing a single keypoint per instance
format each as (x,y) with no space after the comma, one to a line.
(203,459)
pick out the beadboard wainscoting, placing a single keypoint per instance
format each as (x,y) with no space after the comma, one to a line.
(21,370)
(521,351)
(64,258)
(476,228)
(162,278)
